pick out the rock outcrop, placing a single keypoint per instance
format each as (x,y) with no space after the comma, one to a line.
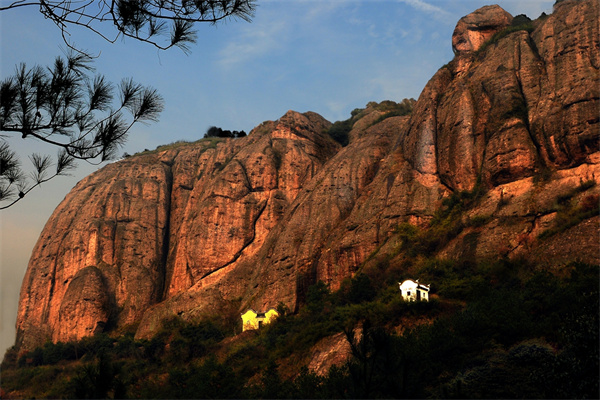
(254,221)
(473,30)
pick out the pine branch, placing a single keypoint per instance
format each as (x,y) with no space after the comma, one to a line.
(64,107)
(142,20)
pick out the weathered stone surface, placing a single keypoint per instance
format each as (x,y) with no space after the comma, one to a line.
(565,100)
(86,301)
(476,28)
(229,215)
(295,254)
(330,351)
(113,224)
(156,225)
(253,222)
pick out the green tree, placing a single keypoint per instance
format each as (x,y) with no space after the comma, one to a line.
(209,379)
(273,387)
(361,289)
(98,381)
(65,107)
(316,297)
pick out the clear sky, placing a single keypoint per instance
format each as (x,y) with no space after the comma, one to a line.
(328,56)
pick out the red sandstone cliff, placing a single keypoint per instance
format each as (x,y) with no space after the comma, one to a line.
(254,221)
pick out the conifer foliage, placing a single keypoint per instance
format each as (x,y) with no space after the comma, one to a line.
(163,24)
(65,107)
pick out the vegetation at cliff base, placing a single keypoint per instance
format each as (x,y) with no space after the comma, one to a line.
(503,329)
(495,328)
(570,213)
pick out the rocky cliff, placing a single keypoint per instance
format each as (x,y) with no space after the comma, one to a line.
(252,222)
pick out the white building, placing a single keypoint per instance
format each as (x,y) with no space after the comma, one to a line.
(414,291)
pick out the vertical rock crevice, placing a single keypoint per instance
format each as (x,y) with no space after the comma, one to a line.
(166,236)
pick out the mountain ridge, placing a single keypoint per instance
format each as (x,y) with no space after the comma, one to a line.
(253,222)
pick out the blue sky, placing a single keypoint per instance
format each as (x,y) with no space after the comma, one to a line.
(329,57)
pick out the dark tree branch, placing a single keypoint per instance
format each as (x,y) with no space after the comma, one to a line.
(143,20)
(64,107)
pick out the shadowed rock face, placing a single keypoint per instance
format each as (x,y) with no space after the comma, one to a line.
(183,230)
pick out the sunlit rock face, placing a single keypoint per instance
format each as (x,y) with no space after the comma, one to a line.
(100,251)
(255,221)
(526,102)
(473,30)
(228,214)
(149,227)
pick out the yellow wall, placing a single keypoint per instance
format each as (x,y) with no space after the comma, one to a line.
(250,319)
(270,316)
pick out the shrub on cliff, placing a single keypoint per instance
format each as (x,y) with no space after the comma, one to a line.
(340,130)
(214,131)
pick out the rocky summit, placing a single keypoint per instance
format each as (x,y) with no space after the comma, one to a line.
(189,229)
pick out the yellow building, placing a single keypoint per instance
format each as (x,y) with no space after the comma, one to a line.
(253,320)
